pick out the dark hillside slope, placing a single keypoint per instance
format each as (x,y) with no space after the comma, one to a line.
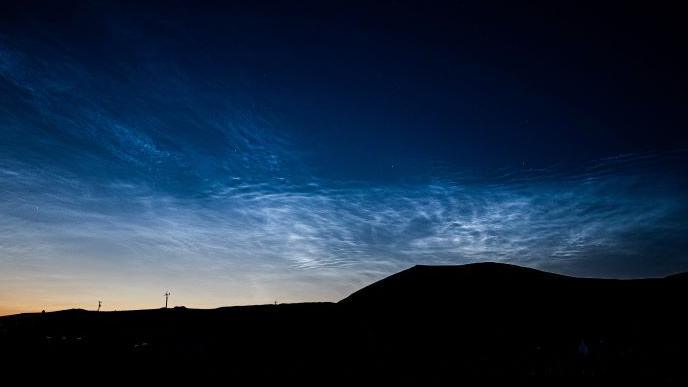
(494,320)
(422,284)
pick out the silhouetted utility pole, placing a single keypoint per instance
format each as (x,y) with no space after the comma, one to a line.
(99,303)
(167,295)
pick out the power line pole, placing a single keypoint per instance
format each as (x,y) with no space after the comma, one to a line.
(167,295)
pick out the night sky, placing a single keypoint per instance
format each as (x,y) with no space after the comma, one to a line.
(249,152)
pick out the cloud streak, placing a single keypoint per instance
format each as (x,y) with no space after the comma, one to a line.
(366,228)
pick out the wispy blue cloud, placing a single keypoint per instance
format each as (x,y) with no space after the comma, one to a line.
(380,229)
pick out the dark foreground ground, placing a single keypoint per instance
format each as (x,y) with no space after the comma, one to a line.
(482,322)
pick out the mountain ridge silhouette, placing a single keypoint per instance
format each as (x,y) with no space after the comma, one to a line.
(426,324)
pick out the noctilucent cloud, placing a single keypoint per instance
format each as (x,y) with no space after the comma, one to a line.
(240,154)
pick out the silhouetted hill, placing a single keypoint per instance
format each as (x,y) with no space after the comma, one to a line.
(427,324)
(500,321)
(423,284)
(503,291)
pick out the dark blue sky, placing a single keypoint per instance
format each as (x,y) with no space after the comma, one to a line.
(244,152)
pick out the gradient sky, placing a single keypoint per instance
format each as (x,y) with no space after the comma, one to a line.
(296,151)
